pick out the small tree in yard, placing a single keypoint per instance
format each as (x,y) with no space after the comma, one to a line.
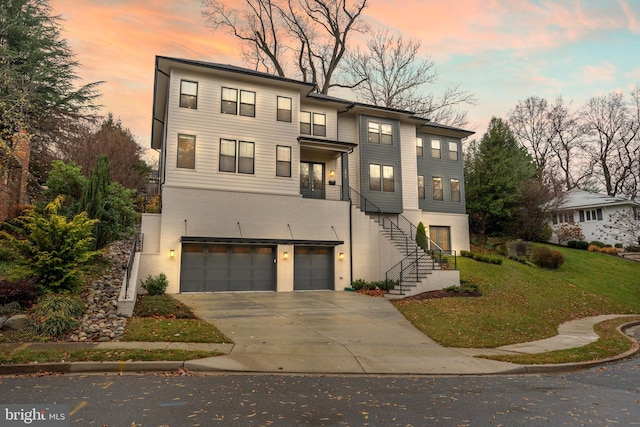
(421,236)
(52,249)
(569,231)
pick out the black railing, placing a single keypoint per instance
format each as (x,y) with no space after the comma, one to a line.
(404,234)
(135,247)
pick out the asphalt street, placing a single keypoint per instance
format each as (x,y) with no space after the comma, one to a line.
(608,395)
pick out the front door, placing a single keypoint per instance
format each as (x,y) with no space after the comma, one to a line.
(441,236)
(312,180)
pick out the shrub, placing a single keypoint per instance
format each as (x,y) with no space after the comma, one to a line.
(155,285)
(421,236)
(609,250)
(466,254)
(55,326)
(582,245)
(464,287)
(59,305)
(10,309)
(573,244)
(52,249)
(598,244)
(25,292)
(358,284)
(383,285)
(633,248)
(593,248)
(544,257)
(618,245)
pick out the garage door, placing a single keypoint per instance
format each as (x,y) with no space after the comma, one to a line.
(217,268)
(313,268)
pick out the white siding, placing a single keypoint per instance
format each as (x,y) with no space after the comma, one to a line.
(209,126)
(331,115)
(409,167)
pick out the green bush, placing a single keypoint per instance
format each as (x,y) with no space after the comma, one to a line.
(618,245)
(384,285)
(155,285)
(521,260)
(11,308)
(544,257)
(358,284)
(421,237)
(56,326)
(464,287)
(577,244)
(502,250)
(596,243)
(62,305)
(52,249)
(466,254)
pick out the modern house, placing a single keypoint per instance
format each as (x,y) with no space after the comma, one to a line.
(596,215)
(267,185)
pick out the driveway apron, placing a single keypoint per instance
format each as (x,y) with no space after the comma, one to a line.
(324,332)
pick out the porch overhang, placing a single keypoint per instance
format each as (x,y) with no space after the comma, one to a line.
(326,144)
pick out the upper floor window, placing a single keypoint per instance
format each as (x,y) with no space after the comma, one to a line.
(420,187)
(419,147)
(230,102)
(380,133)
(186,152)
(455,190)
(590,215)
(188,94)
(284,109)
(318,125)
(435,148)
(243,162)
(437,188)
(453,150)
(381,178)
(283,161)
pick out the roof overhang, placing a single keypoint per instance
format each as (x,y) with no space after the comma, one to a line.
(325,144)
(257,241)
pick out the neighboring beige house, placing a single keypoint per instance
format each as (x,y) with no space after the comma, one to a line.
(595,214)
(267,185)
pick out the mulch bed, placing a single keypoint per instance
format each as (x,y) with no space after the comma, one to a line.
(425,295)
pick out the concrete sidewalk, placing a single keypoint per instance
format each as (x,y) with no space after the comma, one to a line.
(321,333)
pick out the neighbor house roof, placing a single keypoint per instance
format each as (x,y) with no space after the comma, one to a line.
(577,198)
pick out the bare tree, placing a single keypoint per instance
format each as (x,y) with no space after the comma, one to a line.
(389,72)
(309,33)
(613,131)
(530,122)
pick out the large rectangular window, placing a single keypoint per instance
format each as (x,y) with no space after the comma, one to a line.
(591,215)
(243,162)
(379,133)
(455,190)
(230,102)
(305,123)
(435,148)
(453,150)
(437,188)
(381,178)
(188,94)
(420,187)
(283,161)
(284,109)
(186,152)
(419,147)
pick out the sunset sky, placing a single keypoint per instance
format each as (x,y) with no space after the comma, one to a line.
(503,51)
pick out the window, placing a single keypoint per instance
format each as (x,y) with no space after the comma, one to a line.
(453,150)
(305,123)
(230,102)
(455,190)
(420,187)
(319,124)
(283,161)
(419,147)
(591,215)
(437,189)
(381,178)
(186,152)
(284,109)
(435,148)
(245,157)
(388,179)
(380,133)
(188,94)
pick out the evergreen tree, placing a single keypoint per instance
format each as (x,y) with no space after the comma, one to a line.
(421,236)
(496,170)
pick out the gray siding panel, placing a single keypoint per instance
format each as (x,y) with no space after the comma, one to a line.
(386,155)
(444,168)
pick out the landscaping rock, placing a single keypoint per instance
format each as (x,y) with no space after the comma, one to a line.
(17,322)
(2,320)
(101,322)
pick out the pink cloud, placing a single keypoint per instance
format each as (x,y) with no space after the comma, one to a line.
(594,73)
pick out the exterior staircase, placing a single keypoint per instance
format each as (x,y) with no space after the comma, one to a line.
(410,274)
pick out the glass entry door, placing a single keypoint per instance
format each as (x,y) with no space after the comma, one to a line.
(312,180)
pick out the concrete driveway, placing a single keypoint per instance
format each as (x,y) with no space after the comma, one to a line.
(324,332)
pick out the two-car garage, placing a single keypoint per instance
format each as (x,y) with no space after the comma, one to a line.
(226,267)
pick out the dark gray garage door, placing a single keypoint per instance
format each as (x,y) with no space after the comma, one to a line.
(214,268)
(313,268)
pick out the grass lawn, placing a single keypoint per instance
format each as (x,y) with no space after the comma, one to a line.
(96,355)
(522,303)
